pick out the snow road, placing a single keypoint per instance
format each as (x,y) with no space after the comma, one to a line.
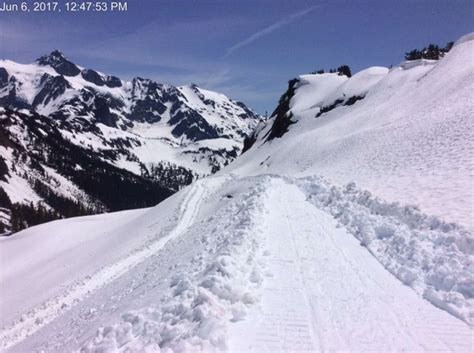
(327,293)
(256,264)
(40,316)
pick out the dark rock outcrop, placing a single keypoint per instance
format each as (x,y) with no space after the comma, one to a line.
(59,63)
(93,77)
(282,112)
(102,112)
(52,88)
(192,125)
(3,77)
(113,82)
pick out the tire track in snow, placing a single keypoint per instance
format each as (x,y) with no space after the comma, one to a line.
(40,316)
(365,281)
(283,320)
(328,293)
(314,327)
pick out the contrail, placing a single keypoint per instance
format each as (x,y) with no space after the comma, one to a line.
(269,29)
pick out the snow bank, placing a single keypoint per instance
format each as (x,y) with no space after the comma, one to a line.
(194,315)
(435,258)
(312,90)
(465,38)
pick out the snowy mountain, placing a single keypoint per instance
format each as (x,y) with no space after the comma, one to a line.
(403,133)
(341,228)
(155,136)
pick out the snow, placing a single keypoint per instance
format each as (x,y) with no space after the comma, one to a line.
(280,251)
(56,255)
(423,252)
(215,144)
(316,91)
(324,292)
(17,188)
(232,264)
(29,75)
(64,186)
(313,89)
(410,140)
(215,114)
(219,111)
(465,38)
(153,131)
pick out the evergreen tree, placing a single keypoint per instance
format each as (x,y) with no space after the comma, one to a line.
(415,54)
(3,169)
(4,199)
(344,70)
(431,52)
(448,47)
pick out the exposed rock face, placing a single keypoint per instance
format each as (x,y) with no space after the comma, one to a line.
(93,77)
(282,112)
(59,63)
(52,87)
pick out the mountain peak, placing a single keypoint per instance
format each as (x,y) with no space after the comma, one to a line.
(59,63)
(57,53)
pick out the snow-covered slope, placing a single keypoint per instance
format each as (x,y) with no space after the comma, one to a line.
(258,264)
(44,175)
(410,139)
(278,252)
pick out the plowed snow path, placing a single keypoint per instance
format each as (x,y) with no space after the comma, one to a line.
(46,313)
(329,293)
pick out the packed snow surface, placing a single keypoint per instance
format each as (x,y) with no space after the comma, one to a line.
(263,263)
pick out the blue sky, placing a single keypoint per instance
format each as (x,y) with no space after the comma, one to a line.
(247,49)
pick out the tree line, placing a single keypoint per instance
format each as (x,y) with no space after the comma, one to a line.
(431,52)
(343,70)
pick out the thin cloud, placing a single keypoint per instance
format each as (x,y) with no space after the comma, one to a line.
(270,29)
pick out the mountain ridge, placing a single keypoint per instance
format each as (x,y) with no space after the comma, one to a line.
(341,119)
(169,135)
